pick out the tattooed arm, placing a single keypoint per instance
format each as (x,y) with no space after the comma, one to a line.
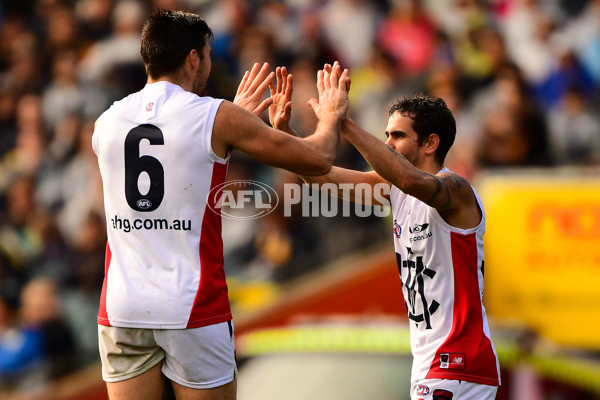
(447,192)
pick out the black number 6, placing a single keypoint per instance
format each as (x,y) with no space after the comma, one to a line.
(135,165)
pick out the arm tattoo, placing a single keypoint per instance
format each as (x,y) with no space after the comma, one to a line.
(457,182)
(440,183)
(451,181)
(437,190)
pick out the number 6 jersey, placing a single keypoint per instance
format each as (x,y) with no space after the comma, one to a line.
(164,257)
(441,268)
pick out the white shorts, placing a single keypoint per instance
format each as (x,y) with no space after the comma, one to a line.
(199,358)
(444,389)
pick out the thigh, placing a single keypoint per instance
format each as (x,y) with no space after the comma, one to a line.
(146,386)
(200,358)
(476,391)
(225,392)
(126,352)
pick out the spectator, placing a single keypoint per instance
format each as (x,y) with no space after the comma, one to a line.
(41,312)
(20,347)
(574,131)
(339,21)
(408,34)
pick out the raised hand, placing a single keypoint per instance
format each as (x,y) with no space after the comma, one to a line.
(332,85)
(280,110)
(253,86)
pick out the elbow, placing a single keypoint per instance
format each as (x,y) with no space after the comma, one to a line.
(325,168)
(320,167)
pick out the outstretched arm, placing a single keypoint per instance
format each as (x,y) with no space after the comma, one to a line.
(447,192)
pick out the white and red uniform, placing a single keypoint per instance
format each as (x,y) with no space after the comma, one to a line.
(441,268)
(164,257)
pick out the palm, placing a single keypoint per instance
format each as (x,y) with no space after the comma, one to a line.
(280,110)
(252,88)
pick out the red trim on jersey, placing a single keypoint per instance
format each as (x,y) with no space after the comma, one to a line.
(211,305)
(102,315)
(466,337)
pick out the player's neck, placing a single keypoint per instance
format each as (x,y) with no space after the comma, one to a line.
(178,79)
(431,166)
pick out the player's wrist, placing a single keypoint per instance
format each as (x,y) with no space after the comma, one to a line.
(333,118)
(281,125)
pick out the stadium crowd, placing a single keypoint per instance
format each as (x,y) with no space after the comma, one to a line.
(522,78)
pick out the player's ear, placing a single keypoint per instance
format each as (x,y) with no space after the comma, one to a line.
(194,58)
(432,143)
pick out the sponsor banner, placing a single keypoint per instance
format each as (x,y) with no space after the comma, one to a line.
(542,246)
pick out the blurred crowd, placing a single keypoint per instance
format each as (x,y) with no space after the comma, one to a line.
(522,78)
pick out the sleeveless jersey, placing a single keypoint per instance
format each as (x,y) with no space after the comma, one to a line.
(441,268)
(164,256)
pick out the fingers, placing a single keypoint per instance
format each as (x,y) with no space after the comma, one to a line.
(266,103)
(263,75)
(284,80)
(332,76)
(253,74)
(335,73)
(333,84)
(326,72)
(262,88)
(289,87)
(242,85)
(255,78)
(279,76)
(320,82)
(343,81)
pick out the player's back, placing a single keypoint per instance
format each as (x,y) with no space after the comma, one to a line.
(157,166)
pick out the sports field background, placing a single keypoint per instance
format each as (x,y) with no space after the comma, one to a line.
(522,78)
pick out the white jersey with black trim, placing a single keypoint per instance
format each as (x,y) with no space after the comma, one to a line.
(164,256)
(441,268)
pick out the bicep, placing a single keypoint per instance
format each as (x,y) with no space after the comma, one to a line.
(238,128)
(446,192)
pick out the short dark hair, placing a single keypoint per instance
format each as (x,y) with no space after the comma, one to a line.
(168,37)
(430,115)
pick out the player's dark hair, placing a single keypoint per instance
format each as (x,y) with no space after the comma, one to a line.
(168,37)
(430,115)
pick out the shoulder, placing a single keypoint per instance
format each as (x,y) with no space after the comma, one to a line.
(454,181)
(236,118)
(458,190)
(120,106)
(462,209)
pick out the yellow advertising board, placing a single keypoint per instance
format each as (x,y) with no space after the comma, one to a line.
(542,249)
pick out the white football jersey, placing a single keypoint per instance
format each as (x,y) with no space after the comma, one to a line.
(164,257)
(441,268)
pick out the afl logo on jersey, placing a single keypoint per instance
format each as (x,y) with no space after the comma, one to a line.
(422,390)
(397,229)
(143,204)
(243,199)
